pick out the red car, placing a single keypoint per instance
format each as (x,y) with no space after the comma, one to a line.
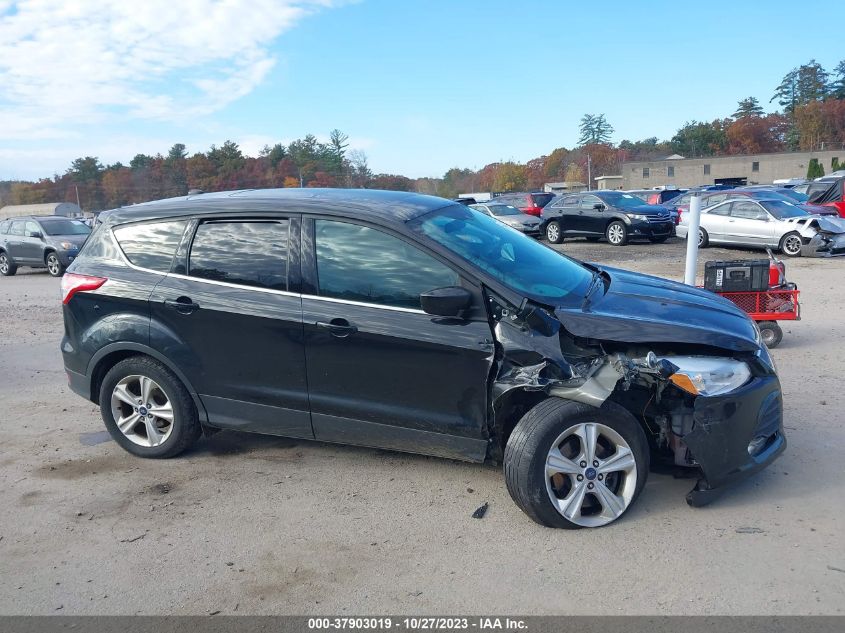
(530,203)
(833,196)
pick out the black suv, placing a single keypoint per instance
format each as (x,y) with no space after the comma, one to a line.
(413,323)
(49,242)
(616,215)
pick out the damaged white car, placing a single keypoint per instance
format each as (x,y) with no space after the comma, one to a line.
(774,224)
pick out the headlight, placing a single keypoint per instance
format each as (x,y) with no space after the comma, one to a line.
(67,245)
(637,216)
(707,375)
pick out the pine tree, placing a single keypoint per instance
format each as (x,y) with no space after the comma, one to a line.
(748,107)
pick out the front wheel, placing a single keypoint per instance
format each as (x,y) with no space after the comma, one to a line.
(570,465)
(790,244)
(771,333)
(617,233)
(554,233)
(147,409)
(7,268)
(54,266)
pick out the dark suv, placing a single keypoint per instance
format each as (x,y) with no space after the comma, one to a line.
(528,203)
(616,215)
(413,323)
(49,242)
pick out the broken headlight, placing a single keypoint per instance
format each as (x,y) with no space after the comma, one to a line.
(708,375)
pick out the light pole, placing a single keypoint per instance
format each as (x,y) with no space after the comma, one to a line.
(589,173)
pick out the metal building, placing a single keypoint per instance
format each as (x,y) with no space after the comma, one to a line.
(66,209)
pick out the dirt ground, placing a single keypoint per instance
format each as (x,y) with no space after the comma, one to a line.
(249,524)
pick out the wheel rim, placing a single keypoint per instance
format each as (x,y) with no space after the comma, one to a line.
(53,265)
(4,264)
(142,411)
(768,336)
(700,237)
(615,234)
(792,245)
(553,232)
(591,474)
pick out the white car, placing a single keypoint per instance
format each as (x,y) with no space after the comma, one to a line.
(510,215)
(759,223)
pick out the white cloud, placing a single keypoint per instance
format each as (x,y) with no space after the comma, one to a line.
(86,61)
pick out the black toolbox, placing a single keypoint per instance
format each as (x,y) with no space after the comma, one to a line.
(739,275)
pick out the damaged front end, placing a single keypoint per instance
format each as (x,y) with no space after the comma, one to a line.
(710,409)
(828,239)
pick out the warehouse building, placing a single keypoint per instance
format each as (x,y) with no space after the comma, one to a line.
(66,209)
(729,170)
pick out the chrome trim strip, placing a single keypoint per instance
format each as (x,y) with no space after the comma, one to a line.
(229,284)
(364,304)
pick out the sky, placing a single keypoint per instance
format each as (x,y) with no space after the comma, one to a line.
(419,86)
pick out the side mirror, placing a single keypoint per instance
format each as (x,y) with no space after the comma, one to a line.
(599,206)
(446,302)
(36,234)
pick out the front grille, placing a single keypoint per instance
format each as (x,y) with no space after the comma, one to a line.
(656,219)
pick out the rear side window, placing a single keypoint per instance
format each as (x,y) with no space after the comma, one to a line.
(151,245)
(249,253)
(4,227)
(542,199)
(358,263)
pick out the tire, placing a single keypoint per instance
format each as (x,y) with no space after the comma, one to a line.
(658,240)
(616,233)
(554,232)
(790,244)
(168,440)
(703,238)
(7,268)
(771,333)
(54,266)
(529,447)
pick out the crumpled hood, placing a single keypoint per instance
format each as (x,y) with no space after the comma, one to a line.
(644,309)
(831,224)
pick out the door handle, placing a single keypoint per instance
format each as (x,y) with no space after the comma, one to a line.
(340,328)
(183,305)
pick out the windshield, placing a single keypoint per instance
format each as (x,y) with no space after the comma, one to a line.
(795,195)
(518,261)
(781,209)
(64,227)
(621,200)
(503,209)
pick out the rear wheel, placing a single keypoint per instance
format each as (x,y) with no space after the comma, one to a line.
(54,266)
(771,333)
(790,244)
(147,409)
(703,238)
(571,465)
(7,268)
(554,233)
(617,233)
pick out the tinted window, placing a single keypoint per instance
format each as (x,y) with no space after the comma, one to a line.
(515,259)
(17,227)
(504,209)
(568,201)
(150,245)
(588,202)
(247,253)
(65,227)
(781,209)
(709,201)
(542,199)
(746,210)
(4,226)
(358,263)
(722,209)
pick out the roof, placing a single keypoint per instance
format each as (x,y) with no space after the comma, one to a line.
(392,206)
(46,208)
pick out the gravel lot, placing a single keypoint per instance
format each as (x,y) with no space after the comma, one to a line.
(250,524)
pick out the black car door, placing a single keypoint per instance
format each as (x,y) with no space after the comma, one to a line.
(232,300)
(569,212)
(593,220)
(381,372)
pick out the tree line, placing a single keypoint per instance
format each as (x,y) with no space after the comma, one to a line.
(811,118)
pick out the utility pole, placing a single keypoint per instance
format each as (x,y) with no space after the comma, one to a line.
(589,173)
(77,196)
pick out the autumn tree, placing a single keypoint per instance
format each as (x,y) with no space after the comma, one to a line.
(748,107)
(757,134)
(700,139)
(594,129)
(510,177)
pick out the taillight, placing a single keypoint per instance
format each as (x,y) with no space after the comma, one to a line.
(533,210)
(73,283)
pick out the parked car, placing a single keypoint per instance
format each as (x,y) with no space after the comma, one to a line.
(50,242)
(615,215)
(411,323)
(656,196)
(710,199)
(529,203)
(829,193)
(758,224)
(511,216)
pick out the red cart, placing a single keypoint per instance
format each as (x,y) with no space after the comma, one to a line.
(778,303)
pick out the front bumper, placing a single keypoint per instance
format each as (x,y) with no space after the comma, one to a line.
(67,257)
(735,436)
(638,228)
(822,245)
